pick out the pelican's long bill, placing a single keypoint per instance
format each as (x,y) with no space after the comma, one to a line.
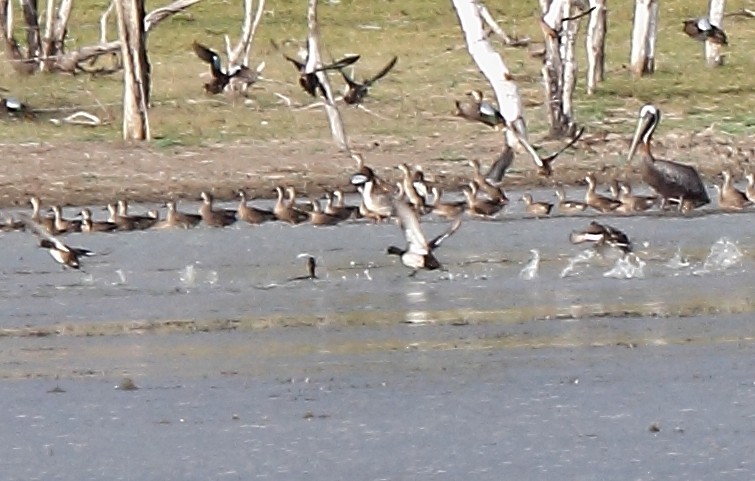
(642,126)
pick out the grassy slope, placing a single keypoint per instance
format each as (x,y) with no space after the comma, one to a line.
(433,69)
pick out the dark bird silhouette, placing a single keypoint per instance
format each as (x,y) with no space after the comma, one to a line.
(242,76)
(418,253)
(64,255)
(356,92)
(479,110)
(308,79)
(311,268)
(701,29)
(671,180)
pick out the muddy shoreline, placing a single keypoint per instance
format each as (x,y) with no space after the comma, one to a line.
(96,173)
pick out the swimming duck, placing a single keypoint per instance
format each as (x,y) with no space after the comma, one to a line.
(750,191)
(64,255)
(48,222)
(308,77)
(252,215)
(729,197)
(566,206)
(493,191)
(212,217)
(335,206)
(175,218)
(479,110)
(596,201)
(600,235)
(378,204)
(672,181)
(139,222)
(701,29)
(418,253)
(356,92)
(631,202)
(62,225)
(318,217)
(88,225)
(536,209)
(241,76)
(284,210)
(477,207)
(11,224)
(447,210)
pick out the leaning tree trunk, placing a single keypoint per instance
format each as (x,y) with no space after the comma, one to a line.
(713,55)
(239,55)
(498,75)
(313,62)
(595,45)
(644,33)
(136,74)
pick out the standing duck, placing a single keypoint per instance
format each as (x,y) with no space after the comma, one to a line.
(596,201)
(377,205)
(566,206)
(418,253)
(536,209)
(671,180)
(729,197)
(355,91)
(212,217)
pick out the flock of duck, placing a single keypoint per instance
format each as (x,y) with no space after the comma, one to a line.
(674,184)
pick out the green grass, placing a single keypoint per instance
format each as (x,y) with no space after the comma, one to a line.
(433,70)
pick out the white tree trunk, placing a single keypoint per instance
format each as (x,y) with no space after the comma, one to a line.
(492,67)
(569,65)
(644,30)
(713,55)
(136,77)
(553,66)
(239,55)
(596,45)
(313,62)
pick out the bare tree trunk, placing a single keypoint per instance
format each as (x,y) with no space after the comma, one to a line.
(136,74)
(553,67)
(644,32)
(596,45)
(239,55)
(313,62)
(569,80)
(713,55)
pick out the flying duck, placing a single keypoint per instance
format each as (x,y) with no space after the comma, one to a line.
(308,79)
(64,255)
(672,181)
(418,253)
(10,107)
(543,164)
(240,77)
(479,110)
(601,235)
(356,92)
(701,29)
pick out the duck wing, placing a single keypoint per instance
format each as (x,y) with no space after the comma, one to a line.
(47,240)
(435,243)
(339,64)
(409,222)
(382,73)
(206,54)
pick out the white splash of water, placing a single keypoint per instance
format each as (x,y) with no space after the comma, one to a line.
(188,276)
(212,277)
(723,254)
(121,278)
(678,261)
(530,271)
(582,258)
(627,267)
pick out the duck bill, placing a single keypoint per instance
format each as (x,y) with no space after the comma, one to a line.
(636,139)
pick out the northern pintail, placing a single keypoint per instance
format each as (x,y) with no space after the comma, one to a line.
(88,225)
(671,180)
(729,197)
(600,235)
(536,209)
(48,221)
(418,253)
(447,210)
(493,191)
(252,215)
(356,92)
(63,254)
(175,218)
(140,222)
(477,207)
(566,206)
(318,217)
(212,217)
(479,110)
(284,210)
(62,225)
(596,201)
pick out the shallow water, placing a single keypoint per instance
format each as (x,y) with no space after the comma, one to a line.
(366,373)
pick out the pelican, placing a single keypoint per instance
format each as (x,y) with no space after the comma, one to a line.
(671,180)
